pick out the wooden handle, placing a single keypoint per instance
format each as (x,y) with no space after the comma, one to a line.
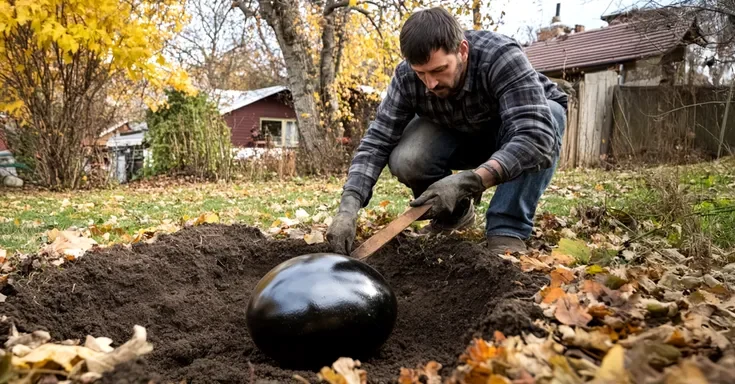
(390,231)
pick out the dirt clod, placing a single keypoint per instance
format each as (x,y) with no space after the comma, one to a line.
(190,290)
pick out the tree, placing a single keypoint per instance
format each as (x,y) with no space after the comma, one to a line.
(63,66)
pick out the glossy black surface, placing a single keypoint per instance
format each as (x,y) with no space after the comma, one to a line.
(312,309)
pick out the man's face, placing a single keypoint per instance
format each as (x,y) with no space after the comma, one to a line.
(443,72)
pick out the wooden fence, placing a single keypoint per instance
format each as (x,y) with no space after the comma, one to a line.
(662,124)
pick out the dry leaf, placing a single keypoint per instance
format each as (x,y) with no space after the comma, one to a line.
(561,276)
(69,243)
(569,312)
(578,337)
(550,295)
(136,346)
(344,371)
(530,264)
(301,214)
(428,374)
(315,237)
(686,373)
(612,369)
(3,255)
(99,344)
(479,352)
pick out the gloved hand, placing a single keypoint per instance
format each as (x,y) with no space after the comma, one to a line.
(341,233)
(447,192)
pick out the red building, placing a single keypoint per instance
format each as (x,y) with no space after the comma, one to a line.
(259,116)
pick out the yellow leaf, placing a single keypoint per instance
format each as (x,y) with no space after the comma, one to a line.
(612,369)
(353,3)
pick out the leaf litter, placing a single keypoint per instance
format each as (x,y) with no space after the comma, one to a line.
(616,310)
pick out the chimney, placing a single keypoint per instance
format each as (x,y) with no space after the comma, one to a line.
(578,28)
(557,17)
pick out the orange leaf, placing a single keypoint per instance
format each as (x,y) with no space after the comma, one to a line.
(599,311)
(593,287)
(677,339)
(480,351)
(497,379)
(550,295)
(569,312)
(384,203)
(561,276)
(499,337)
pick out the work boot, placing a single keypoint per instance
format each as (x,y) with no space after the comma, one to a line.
(463,217)
(499,245)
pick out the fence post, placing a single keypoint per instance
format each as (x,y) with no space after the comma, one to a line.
(724,119)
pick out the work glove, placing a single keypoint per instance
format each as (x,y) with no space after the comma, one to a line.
(341,233)
(445,194)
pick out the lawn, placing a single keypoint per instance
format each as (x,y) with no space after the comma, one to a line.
(121,213)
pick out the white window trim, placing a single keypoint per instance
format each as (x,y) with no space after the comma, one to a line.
(283,128)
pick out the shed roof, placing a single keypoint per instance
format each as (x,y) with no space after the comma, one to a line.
(230,100)
(607,45)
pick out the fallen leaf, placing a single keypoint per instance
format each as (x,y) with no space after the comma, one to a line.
(384,203)
(136,346)
(577,249)
(531,264)
(301,214)
(686,373)
(3,255)
(561,276)
(99,344)
(594,269)
(596,339)
(428,374)
(569,312)
(551,294)
(315,237)
(479,352)
(69,243)
(343,371)
(612,369)
(593,288)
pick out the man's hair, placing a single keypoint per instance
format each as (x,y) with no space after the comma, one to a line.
(428,30)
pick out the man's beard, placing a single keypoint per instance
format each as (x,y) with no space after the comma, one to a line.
(457,81)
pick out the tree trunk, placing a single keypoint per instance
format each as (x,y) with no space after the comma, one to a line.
(327,73)
(476,15)
(283,16)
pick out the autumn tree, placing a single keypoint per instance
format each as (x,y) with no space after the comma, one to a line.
(64,64)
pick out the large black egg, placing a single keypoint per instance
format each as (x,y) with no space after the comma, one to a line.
(312,309)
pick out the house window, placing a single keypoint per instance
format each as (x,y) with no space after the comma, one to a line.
(280,132)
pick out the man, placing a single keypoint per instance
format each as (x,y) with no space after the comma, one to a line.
(460,100)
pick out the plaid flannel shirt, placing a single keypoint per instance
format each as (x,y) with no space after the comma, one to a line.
(500,83)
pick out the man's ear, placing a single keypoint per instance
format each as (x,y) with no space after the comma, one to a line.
(464,49)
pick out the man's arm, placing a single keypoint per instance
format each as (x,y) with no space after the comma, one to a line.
(371,156)
(527,136)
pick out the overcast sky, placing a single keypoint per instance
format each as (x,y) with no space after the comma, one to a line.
(519,13)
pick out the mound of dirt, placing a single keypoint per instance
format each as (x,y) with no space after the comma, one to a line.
(190,291)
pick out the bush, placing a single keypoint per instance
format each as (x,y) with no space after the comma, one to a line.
(189,137)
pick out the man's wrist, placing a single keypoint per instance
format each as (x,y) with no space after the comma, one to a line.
(490,173)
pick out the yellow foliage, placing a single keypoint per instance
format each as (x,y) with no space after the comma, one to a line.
(125,36)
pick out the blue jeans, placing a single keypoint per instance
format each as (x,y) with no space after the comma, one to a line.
(428,152)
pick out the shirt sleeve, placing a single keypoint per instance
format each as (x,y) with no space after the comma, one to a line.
(527,135)
(392,116)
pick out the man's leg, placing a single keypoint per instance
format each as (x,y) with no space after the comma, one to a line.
(426,154)
(513,207)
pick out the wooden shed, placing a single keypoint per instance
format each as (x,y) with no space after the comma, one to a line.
(629,51)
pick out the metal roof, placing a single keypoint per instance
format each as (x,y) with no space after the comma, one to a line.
(230,100)
(608,45)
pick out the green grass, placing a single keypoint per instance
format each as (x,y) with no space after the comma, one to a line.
(26,215)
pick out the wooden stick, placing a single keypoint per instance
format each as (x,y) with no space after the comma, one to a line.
(390,231)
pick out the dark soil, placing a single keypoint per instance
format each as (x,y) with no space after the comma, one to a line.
(190,291)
